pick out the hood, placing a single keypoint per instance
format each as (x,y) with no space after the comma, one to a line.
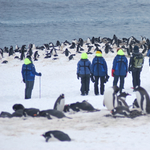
(120,52)
(99,54)
(27,61)
(84,56)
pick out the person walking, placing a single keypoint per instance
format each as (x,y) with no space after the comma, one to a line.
(28,75)
(99,71)
(120,68)
(84,71)
(135,66)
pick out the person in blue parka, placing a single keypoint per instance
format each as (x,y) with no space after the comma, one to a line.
(84,71)
(28,75)
(99,71)
(120,68)
(148,53)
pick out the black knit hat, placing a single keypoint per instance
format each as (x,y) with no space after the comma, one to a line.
(136,49)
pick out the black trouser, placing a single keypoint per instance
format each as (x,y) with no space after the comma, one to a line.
(102,86)
(116,78)
(85,82)
(136,78)
(28,89)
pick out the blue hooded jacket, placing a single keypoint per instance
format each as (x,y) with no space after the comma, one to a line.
(99,66)
(84,65)
(28,70)
(120,64)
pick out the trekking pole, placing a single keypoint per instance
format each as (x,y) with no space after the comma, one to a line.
(40,87)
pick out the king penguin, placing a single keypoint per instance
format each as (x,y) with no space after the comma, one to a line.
(110,97)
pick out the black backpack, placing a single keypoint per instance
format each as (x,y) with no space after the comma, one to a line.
(138,61)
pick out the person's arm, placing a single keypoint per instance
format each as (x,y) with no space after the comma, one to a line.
(34,71)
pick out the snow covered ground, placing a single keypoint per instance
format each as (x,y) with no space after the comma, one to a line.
(90,131)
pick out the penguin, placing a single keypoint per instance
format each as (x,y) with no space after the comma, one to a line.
(81,41)
(52,112)
(121,99)
(78,48)
(60,102)
(4,62)
(1,52)
(36,56)
(59,135)
(78,106)
(22,56)
(66,52)
(71,57)
(29,53)
(110,97)
(18,113)
(120,111)
(32,112)
(72,45)
(58,43)
(48,55)
(16,107)
(143,99)
(11,51)
(5,114)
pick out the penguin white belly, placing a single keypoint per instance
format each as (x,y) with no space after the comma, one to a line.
(139,98)
(108,99)
(60,106)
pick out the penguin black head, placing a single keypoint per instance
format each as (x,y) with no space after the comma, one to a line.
(17,107)
(66,108)
(116,88)
(62,95)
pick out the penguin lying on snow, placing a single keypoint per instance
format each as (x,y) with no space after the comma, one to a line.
(142,100)
(33,112)
(60,102)
(59,135)
(122,111)
(78,106)
(52,112)
(18,113)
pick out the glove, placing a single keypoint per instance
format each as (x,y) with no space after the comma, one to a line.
(106,78)
(24,80)
(78,76)
(112,72)
(40,74)
(92,78)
